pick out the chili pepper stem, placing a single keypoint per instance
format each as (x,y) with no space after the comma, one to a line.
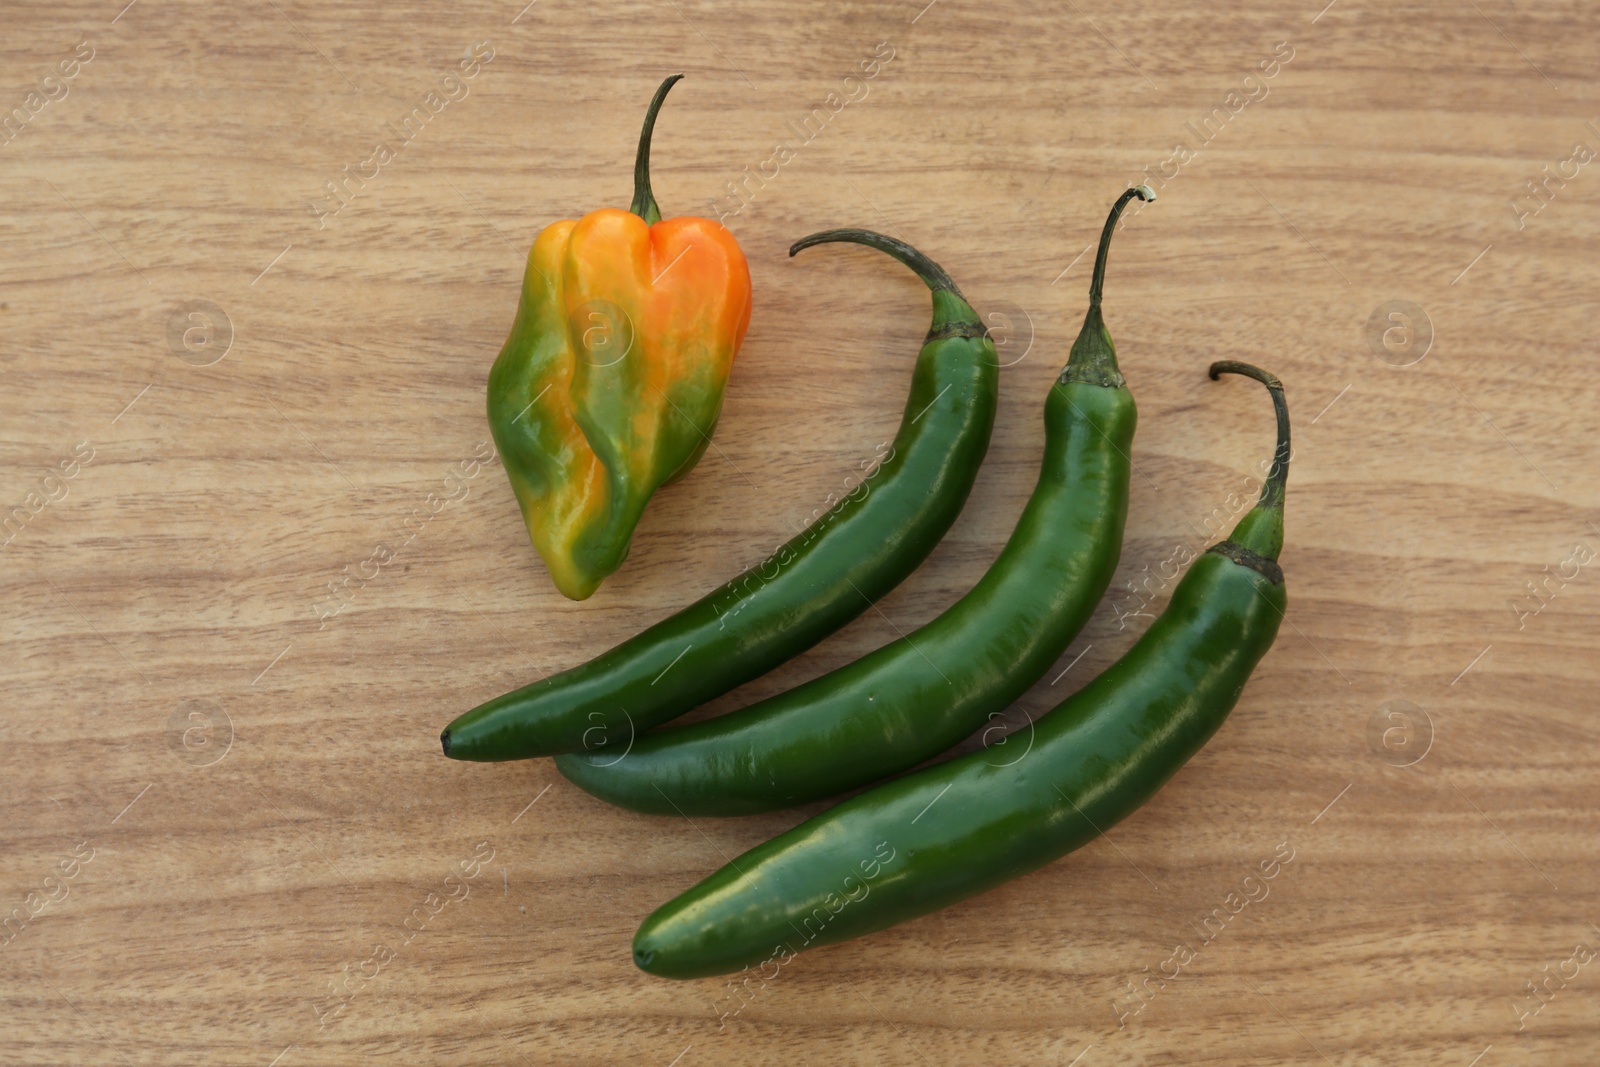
(1094,357)
(926,269)
(1261,530)
(951,312)
(644,201)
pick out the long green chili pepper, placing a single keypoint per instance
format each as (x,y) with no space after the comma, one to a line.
(948,832)
(918,696)
(858,550)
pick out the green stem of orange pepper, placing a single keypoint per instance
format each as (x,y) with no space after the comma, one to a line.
(610,383)
(644,200)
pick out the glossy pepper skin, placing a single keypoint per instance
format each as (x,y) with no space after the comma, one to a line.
(943,834)
(859,549)
(922,694)
(610,383)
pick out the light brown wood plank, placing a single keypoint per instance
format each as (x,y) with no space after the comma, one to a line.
(181,568)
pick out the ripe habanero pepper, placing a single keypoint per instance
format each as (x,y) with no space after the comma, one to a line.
(826,575)
(946,833)
(922,694)
(611,381)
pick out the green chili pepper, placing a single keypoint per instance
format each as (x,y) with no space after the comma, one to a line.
(946,833)
(857,551)
(920,695)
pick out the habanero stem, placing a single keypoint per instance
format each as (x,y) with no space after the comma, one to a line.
(644,200)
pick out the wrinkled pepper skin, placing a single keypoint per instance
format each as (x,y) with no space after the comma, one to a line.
(610,383)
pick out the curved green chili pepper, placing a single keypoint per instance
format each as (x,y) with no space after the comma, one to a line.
(946,833)
(918,696)
(827,575)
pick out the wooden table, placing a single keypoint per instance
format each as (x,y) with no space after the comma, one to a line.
(224,815)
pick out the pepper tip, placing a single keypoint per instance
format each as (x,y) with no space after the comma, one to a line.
(444,741)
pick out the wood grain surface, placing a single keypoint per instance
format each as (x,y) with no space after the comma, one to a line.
(227,834)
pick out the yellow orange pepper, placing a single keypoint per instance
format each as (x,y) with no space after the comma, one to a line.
(610,384)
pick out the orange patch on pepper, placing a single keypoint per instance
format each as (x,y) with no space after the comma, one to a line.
(610,384)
